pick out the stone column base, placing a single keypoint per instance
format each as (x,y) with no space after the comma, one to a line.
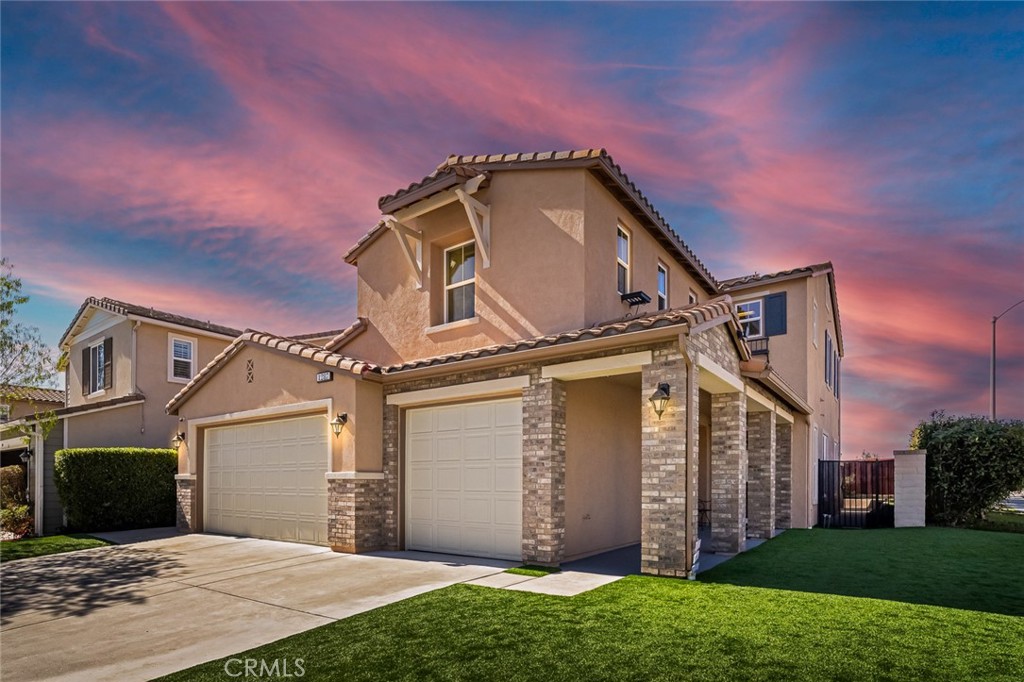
(355,511)
(186,505)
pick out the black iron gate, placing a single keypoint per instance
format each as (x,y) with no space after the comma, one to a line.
(856,494)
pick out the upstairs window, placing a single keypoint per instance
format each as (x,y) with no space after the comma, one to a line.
(622,261)
(180,358)
(693,300)
(460,282)
(750,316)
(662,287)
(97,367)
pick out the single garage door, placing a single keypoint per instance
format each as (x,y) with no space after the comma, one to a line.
(464,482)
(267,480)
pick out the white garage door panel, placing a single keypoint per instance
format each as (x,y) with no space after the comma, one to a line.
(267,480)
(464,471)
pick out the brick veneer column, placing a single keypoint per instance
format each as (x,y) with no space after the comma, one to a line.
(783,474)
(910,488)
(664,530)
(728,471)
(391,454)
(761,474)
(544,472)
(355,508)
(186,502)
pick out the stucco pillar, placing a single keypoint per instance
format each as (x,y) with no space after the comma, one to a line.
(761,474)
(910,488)
(664,527)
(544,472)
(728,472)
(186,502)
(783,474)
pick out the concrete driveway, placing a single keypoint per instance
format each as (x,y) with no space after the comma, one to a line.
(136,611)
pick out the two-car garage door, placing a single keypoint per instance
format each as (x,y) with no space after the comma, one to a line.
(267,479)
(464,472)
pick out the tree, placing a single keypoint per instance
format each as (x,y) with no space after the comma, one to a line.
(24,359)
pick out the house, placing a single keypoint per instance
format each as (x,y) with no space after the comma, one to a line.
(125,362)
(540,370)
(29,435)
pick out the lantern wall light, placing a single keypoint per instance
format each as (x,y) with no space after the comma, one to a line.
(339,422)
(659,399)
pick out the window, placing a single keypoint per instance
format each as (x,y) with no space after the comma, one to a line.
(693,297)
(622,261)
(814,322)
(814,465)
(828,359)
(662,287)
(5,413)
(181,353)
(460,282)
(749,313)
(97,367)
(826,448)
(835,380)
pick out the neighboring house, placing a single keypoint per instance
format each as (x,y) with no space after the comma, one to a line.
(540,370)
(125,362)
(791,325)
(22,411)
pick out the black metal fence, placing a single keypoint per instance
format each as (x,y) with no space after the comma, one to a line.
(856,494)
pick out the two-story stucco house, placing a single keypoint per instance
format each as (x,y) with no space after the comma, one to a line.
(540,370)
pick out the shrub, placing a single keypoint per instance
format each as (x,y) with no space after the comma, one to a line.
(17,520)
(972,464)
(12,486)
(116,488)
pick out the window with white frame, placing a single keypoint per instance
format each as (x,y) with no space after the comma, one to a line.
(693,297)
(751,318)
(460,282)
(662,287)
(97,367)
(181,358)
(814,323)
(828,359)
(622,261)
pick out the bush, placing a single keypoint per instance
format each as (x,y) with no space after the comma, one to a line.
(116,488)
(17,519)
(973,463)
(12,486)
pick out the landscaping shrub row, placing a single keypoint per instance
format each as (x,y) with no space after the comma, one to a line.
(116,488)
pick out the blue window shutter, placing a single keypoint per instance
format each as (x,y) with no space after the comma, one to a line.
(775,314)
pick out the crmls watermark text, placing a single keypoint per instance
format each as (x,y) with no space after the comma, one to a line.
(261,668)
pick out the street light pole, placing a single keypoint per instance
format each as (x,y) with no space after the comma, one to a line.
(992,363)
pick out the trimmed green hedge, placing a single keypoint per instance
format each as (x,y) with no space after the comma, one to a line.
(116,488)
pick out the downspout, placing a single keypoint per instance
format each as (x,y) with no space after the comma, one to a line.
(135,375)
(690,509)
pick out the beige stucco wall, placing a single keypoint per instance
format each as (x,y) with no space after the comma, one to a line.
(121,333)
(117,427)
(282,380)
(28,408)
(603,468)
(602,302)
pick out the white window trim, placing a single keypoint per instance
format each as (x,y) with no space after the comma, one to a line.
(663,268)
(94,393)
(759,318)
(171,338)
(693,298)
(814,322)
(629,257)
(465,282)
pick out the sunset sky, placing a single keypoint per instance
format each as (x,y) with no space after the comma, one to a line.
(216,160)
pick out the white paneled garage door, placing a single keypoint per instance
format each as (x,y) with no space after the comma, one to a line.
(267,480)
(464,479)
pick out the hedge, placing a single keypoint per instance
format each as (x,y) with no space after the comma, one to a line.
(12,486)
(116,488)
(973,463)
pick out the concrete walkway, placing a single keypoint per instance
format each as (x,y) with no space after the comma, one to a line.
(140,610)
(576,577)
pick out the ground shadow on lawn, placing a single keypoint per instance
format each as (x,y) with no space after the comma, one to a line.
(89,580)
(964,569)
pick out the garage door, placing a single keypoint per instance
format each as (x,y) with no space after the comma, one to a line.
(266,480)
(464,479)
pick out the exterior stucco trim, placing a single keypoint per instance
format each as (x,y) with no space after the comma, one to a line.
(355,475)
(477,389)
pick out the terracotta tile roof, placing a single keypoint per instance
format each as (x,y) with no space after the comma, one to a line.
(757,279)
(279,343)
(328,334)
(32,394)
(457,167)
(122,308)
(347,334)
(691,316)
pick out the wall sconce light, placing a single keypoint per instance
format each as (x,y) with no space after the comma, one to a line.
(659,399)
(339,422)
(25,456)
(178,439)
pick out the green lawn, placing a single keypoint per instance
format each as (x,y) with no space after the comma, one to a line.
(1002,521)
(736,624)
(12,550)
